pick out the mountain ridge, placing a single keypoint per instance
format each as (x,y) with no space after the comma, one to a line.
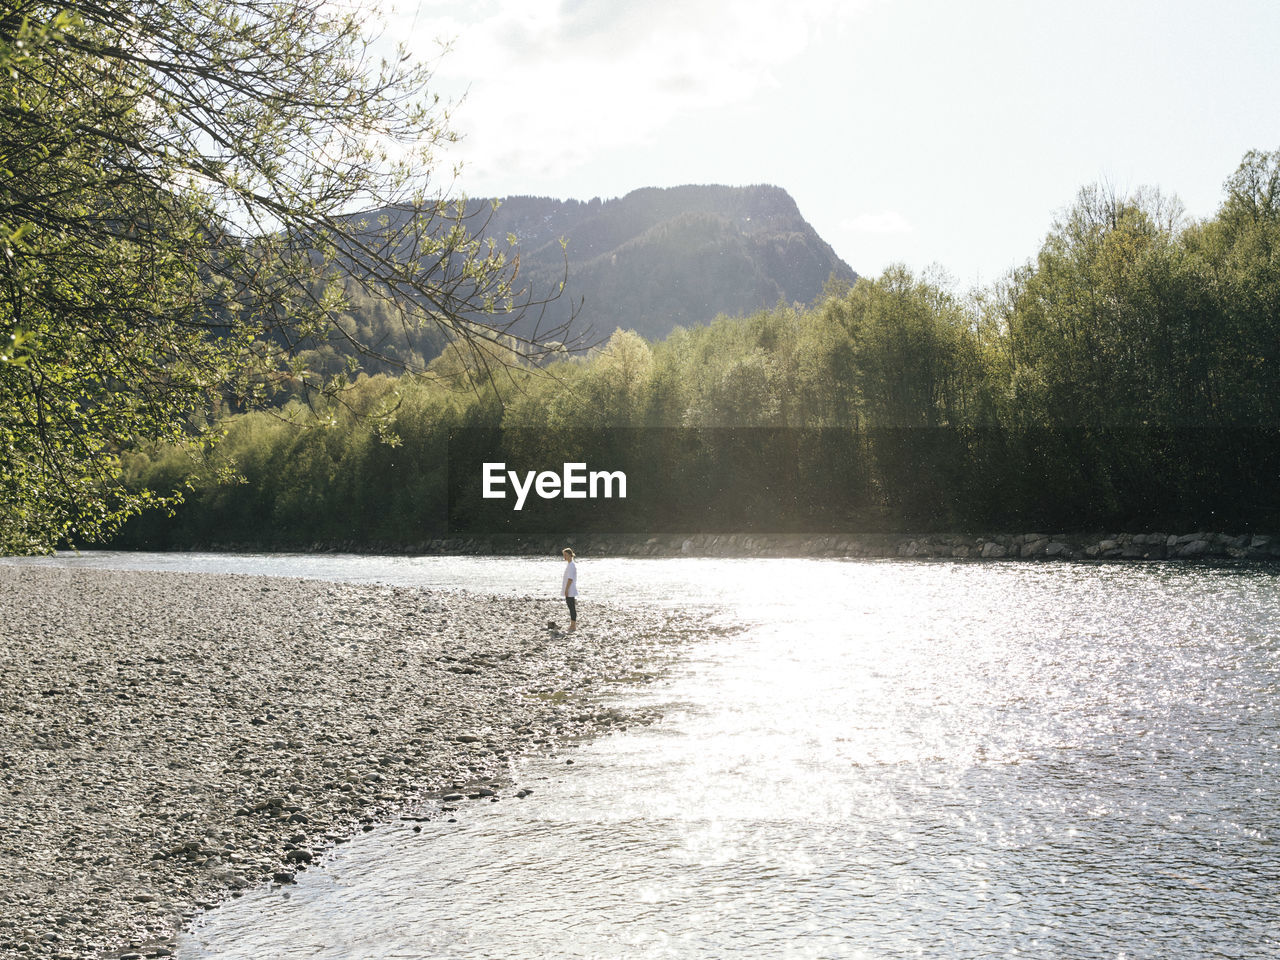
(659,257)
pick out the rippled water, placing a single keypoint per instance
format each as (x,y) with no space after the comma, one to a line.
(894,760)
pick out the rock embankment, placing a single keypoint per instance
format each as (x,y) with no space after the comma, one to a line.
(1113,546)
(169,739)
(1033,546)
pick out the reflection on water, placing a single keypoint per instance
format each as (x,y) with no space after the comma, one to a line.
(894,760)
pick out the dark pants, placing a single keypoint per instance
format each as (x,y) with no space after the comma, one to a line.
(573,607)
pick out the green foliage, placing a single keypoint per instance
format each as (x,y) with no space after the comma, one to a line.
(1141,357)
(1126,376)
(177,181)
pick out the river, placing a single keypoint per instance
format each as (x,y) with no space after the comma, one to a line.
(891,759)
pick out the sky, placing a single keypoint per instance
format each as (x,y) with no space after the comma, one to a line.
(929,133)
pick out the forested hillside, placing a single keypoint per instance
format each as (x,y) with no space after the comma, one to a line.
(1127,376)
(658,258)
(650,261)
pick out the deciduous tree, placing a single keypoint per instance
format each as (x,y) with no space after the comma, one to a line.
(180,187)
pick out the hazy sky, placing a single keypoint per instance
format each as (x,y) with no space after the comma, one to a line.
(924,131)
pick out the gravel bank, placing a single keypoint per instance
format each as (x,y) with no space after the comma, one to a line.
(167,739)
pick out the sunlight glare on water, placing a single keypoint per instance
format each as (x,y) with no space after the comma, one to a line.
(892,759)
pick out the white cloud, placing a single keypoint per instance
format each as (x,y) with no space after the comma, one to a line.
(552,83)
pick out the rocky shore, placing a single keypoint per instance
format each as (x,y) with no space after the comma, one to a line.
(1091,546)
(167,740)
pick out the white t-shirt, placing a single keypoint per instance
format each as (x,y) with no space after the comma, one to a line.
(570,573)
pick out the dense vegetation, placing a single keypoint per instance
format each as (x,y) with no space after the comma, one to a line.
(176,239)
(1128,376)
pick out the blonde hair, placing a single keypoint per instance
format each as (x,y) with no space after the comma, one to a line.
(569,551)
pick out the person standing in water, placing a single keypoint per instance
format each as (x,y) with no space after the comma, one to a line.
(571,587)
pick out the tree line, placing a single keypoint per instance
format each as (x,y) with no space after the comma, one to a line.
(176,237)
(1127,376)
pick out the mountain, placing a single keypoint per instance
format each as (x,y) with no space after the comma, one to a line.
(657,258)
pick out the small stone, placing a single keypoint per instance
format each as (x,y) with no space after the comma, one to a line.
(1193,548)
(1034,546)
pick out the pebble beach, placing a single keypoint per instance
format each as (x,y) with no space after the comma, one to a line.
(168,739)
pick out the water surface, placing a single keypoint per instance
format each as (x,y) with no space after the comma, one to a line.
(893,759)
